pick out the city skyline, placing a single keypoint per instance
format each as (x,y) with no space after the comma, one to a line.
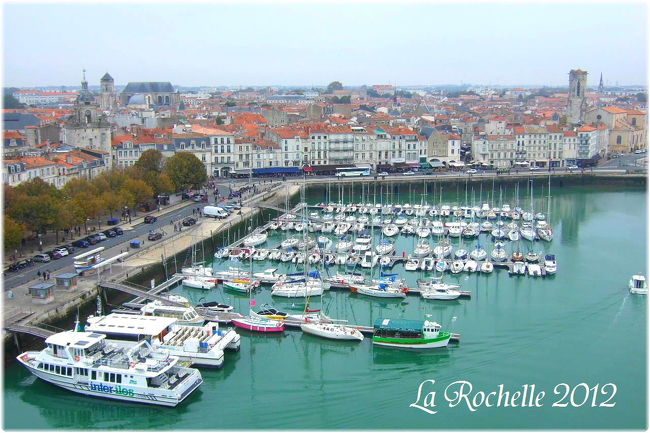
(294,44)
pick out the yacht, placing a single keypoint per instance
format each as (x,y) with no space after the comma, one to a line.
(381,290)
(85,363)
(440,294)
(487,267)
(255,239)
(183,314)
(412,264)
(442,250)
(385,247)
(470,266)
(298,288)
(550,264)
(197,270)
(499,253)
(457,266)
(423,249)
(518,268)
(478,254)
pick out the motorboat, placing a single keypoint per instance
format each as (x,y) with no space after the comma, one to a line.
(287,225)
(487,267)
(240,285)
(410,334)
(299,226)
(344,245)
(332,331)
(255,239)
(423,232)
(498,233)
(385,247)
(412,264)
(257,323)
(454,230)
(342,228)
(442,265)
(545,233)
(550,265)
(400,220)
(358,227)
(487,226)
(440,294)
(314,258)
(518,268)
(362,244)
(213,307)
(271,313)
(328,259)
(469,232)
(534,270)
(341,259)
(222,253)
(527,216)
(638,285)
(381,290)
(197,270)
(324,242)
(427,264)
(540,216)
(260,255)
(205,283)
(437,228)
(275,255)
(407,229)
(344,280)
(274,225)
(85,363)
(435,283)
(287,256)
(231,273)
(328,227)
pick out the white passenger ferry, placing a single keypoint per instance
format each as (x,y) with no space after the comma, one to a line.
(201,345)
(85,363)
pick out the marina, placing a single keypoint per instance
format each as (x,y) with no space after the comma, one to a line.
(479,295)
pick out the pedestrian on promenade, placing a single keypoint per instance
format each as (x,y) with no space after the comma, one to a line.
(39,273)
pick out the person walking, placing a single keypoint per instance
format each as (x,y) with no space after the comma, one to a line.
(39,273)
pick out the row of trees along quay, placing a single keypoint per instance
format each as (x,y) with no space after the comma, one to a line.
(35,207)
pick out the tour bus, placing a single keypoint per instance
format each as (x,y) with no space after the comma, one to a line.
(352,171)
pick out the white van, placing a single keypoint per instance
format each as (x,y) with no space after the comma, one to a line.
(215,212)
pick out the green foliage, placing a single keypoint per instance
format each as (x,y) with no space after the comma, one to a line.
(641,97)
(37,213)
(150,160)
(230,104)
(13,233)
(219,121)
(341,100)
(334,85)
(37,187)
(11,102)
(185,170)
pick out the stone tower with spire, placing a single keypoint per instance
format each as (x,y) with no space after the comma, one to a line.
(601,86)
(85,105)
(577,102)
(107,97)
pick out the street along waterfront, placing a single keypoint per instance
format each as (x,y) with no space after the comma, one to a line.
(577,327)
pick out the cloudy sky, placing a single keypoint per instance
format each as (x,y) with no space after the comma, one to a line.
(267,43)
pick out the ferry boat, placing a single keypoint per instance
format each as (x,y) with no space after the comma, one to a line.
(184,314)
(411,334)
(200,345)
(638,285)
(85,363)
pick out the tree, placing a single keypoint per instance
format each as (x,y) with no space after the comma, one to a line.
(219,121)
(111,180)
(88,206)
(641,97)
(230,104)
(185,170)
(113,201)
(139,189)
(14,233)
(334,85)
(75,186)
(11,102)
(341,100)
(160,182)
(37,213)
(66,218)
(150,160)
(37,187)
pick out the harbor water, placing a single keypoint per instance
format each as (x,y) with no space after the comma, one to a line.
(579,326)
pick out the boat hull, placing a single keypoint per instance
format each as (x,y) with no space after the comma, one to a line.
(318,331)
(255,327)
(413,343)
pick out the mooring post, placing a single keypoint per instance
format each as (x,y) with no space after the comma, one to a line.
(17,341)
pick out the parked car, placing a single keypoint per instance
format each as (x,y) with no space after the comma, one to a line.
(189,221)
(62,251)
(471,171)
(118,231)
(71,249)
(43,258)
(639,151)
(408,173)
(572,167)
(150,219)
(533,168)
(110,233)
(154,236)
(383,173)
(81,243)
(101,236)
(21,264)
(56,254)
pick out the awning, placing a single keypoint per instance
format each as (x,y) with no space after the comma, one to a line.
(414,165)
(425,165)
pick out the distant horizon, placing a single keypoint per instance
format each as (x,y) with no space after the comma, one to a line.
(283,43)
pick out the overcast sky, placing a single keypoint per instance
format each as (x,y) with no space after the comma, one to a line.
(313,44)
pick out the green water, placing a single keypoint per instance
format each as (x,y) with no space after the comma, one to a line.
(580,326)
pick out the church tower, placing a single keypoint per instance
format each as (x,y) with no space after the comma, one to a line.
(577,103)
(107,97)
(85,106)
(601,86)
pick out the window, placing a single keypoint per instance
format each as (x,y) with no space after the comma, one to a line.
(618,139)
(57,370)
(634,121)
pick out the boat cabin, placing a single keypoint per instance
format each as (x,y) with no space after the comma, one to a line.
(638,282)
(129,327)
(182,314)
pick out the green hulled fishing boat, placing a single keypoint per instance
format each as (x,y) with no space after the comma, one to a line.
(411,334)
